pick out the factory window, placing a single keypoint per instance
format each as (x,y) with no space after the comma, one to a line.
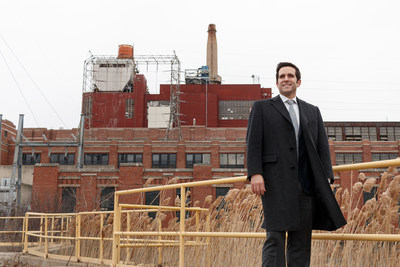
(68,200)
(368,195)
(221,191)
(130,158)
(62,158)
(96,159)
(164,160)
(389,133)
(152,198)
(231,160)
(334,133)
(195,158)
(348,158)
(369,133)
(107,198)
(5,133)
(383,156)
(352,133)
(235,109)
(158,103)
(129,108)
(187,202)
(30,159)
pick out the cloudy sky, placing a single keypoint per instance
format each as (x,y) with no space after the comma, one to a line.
(348,50)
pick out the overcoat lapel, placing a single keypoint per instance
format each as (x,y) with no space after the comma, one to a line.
(303,115)
(280,106)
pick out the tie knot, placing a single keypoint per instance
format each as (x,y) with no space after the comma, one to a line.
(290,102)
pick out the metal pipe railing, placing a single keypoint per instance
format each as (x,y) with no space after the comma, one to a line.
(47,223)
(182,234)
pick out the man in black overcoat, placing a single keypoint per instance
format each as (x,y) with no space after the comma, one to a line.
(289,165)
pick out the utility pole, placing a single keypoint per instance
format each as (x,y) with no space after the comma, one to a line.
(79,163)
(16,166)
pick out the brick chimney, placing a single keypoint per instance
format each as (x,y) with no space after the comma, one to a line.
(212,54)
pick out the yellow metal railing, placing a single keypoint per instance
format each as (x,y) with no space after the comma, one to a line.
(12,222)
(40,231)
(182,233)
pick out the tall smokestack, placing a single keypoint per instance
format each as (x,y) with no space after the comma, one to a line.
(212,54)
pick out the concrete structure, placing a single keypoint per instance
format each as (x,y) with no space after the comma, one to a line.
(6,183)
(212,54)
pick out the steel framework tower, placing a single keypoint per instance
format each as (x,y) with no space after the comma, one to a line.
(174,124)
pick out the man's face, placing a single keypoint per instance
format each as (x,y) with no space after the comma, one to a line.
(287,82)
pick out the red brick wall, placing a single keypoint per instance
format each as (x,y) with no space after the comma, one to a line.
(45,193)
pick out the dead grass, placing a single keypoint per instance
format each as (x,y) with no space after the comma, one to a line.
(241,211)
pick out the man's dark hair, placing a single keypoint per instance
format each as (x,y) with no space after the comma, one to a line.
(288,64)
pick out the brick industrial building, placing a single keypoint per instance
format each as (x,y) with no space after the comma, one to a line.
(125,158)
(127,141)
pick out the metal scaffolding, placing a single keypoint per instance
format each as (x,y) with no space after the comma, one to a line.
(173,131)
(174,123)
(16,173)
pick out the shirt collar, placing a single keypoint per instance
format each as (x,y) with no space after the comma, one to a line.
(284,98)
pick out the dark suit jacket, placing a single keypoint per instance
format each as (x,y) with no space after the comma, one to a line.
(272,152)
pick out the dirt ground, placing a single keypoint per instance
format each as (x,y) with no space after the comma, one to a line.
(18,259)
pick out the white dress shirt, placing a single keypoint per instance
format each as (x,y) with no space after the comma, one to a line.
(295,106)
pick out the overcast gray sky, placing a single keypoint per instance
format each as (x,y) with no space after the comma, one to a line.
(347,50)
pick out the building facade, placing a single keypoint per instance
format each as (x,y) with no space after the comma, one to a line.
(124,142)
(126,158)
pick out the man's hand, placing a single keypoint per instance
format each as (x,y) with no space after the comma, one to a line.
(257,184)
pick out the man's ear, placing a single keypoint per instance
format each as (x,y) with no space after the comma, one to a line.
(298,83)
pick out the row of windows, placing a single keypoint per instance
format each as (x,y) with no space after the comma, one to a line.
(197,158)
(350,158)
(363,133)
(168,160)
(151,198)
(234,109)
(69,199)
(159,160)
(107,199)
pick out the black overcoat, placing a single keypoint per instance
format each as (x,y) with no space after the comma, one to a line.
(271,152)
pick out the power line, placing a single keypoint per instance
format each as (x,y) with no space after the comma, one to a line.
(34,83)
(19,88)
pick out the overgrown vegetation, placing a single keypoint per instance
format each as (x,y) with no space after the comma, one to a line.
(241,211)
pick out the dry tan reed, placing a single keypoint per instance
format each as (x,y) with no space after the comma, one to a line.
(241,211)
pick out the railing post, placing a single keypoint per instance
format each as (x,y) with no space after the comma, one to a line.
(41,228)
(182,228)
(116,228)
(78,237)
(159,240)
(25,234)
(208,250)
(45,238)
(52,228)
(101,238)
(128,229)
(197,238)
